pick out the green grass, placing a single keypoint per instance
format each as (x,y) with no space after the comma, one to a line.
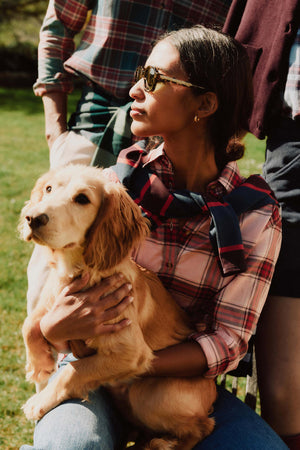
(254,157)
(23,157)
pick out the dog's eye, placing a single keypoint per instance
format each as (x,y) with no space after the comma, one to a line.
(48,188)
(82,199)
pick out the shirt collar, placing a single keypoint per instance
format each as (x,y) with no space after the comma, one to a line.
(228,180)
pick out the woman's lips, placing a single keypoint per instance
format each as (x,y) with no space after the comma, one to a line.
(135,113)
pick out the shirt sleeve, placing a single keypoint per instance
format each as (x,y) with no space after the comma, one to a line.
(63,20)
(241,298)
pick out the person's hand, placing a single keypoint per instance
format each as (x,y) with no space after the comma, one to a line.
(82,314)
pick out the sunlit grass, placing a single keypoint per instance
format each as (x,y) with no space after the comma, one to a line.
(254,157)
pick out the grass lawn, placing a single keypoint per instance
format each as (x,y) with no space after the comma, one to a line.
(23,157)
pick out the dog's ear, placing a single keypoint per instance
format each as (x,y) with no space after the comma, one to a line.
(118,227)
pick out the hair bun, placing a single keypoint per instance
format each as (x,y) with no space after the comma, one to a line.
(235,149)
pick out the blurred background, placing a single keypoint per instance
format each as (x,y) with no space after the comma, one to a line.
(20,21)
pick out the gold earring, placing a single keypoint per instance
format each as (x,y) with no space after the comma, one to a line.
(196,118)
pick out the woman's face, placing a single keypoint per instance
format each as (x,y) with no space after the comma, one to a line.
(170,108)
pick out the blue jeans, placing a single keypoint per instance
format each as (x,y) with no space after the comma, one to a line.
(96,425)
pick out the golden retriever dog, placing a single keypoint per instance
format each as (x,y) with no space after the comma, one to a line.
(90,224)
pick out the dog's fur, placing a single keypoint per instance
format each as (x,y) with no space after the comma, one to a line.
(90,224)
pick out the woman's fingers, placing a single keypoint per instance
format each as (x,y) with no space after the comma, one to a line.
(109,285)
(105,328)
(117,309)
(81,313)
(110,294)
(112,299)
(106,285)
(76,285)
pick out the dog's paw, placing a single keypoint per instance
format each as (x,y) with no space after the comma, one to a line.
(32,408)
(41,370)
(38,375)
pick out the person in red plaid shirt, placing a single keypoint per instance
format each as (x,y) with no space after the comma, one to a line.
(195,91)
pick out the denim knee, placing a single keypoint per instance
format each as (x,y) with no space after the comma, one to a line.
(77,425)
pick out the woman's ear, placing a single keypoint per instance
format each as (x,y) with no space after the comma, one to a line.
(208,105)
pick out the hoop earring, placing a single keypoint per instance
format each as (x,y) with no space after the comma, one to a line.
(196,118)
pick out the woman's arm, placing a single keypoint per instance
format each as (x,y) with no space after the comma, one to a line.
(79,314)
(240,298)
(182,360)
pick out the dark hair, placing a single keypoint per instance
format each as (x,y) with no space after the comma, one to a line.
(218,62)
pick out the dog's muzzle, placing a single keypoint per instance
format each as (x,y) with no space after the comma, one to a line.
(38,221)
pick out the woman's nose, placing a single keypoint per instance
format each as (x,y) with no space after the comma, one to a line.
(137,90)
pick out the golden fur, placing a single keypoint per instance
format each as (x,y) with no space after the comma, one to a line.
(90,224)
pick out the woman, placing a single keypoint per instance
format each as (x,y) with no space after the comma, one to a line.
(195,92)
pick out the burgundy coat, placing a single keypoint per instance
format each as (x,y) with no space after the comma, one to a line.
(268,29)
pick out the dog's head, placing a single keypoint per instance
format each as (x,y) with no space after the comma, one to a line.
(77,206)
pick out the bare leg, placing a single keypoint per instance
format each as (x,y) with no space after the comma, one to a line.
(278,364)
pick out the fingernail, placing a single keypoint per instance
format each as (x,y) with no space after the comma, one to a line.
(130,299)
(129,286)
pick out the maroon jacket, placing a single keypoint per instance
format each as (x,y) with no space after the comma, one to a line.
(268,29)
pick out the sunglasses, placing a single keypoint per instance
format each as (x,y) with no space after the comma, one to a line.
(151,77)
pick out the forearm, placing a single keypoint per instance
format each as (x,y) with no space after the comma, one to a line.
(55,107)
(185,360)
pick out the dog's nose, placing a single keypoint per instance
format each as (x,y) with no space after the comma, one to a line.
(38,221)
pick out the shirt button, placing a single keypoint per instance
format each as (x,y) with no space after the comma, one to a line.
(169,265)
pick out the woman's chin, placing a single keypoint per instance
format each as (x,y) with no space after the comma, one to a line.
(139,131)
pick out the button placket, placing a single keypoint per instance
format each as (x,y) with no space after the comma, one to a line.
(170,255)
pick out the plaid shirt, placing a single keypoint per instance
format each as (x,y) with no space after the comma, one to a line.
(292,87)
(223,310)
(117,37)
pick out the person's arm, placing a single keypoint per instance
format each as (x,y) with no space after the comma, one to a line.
(239,305)
(182,360)
(55,109)
(63,20)
(240,299)
(82,314)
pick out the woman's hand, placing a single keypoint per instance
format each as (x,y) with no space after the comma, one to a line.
(78,314)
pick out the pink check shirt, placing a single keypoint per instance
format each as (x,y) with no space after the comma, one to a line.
(223,310)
